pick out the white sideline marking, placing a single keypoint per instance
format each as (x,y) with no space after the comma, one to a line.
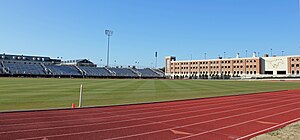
(265,130)
(49,128)
(87,132)
(179,132)
(197,124)
(214,100)
(238,124)
(264,122)
(121,111)
(112,116)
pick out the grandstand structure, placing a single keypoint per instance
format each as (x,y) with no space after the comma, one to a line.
(228,68)
(39,66)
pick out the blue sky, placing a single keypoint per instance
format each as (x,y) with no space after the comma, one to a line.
(75,28)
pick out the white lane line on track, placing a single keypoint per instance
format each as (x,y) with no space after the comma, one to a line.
(121,111)
(126,115)
(224,118)
(143,118)
(212,100)
(134,119)
(160,107)
(267,129)
(238,124)
(159,122)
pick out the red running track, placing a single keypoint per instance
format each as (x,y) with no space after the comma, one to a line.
(231,117)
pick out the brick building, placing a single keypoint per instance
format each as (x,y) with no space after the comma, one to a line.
(280,66)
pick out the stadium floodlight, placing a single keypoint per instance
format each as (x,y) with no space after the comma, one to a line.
(109,33)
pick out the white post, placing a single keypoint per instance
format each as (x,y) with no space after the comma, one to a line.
(80,96)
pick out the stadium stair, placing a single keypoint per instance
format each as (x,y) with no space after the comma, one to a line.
(111,72)
(45,69)
(80,70)
(5,69)
(159,72)
(136,72)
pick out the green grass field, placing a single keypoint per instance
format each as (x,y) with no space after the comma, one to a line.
(40,93)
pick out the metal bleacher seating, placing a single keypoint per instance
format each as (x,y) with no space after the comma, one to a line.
(159,72)
(147,73)
(94,71)
(1,68)
(123,72)
(21,68)
(63,70)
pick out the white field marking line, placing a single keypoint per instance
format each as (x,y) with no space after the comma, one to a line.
(134,113)
(238,124)
(121,111)
(87,132)
(157,116)
(196,102)
(223,118)
(159,107)
(255,101)
(212,100)
(113,116)
(267,129)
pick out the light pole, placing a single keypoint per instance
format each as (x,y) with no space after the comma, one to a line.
(155,59)
(271,52)
(224,55)
(246,53)
(109,33)
(282,53)
(205,56)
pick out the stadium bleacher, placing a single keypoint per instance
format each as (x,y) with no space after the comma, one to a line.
(63,70)
(123,72)
(22,68)
(94,71)
(1,68)
(147,73)
(39,66)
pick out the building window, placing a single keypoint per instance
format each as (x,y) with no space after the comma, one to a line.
(293,65)
(293,72)
(297,71)
(297,65)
